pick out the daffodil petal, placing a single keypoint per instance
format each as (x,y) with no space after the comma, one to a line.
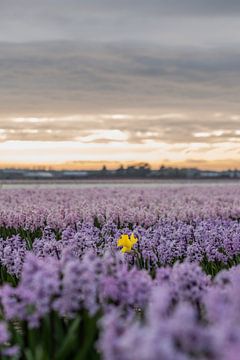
(133,239)
(122,240)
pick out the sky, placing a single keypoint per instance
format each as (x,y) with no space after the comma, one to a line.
(87,82)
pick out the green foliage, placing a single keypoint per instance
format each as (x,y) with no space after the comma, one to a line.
(57,338)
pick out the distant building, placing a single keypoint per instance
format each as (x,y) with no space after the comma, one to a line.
(38,174)
(75,173)
(210,174)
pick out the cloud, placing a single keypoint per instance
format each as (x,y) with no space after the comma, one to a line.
(156,21)
(59,57)
(61,91)
(116,72)
(74,78)
(167,128)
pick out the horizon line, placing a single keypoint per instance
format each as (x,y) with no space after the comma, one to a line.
(110,165)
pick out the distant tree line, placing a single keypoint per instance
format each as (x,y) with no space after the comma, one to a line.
(139,171)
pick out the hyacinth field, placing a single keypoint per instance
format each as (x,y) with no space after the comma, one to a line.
(120,274)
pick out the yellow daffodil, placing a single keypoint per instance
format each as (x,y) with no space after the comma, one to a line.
(126,242)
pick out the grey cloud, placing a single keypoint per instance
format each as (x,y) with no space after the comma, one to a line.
(158,21)
(176,7)
(72,77)
(138,57)
(59,9)
(76,57)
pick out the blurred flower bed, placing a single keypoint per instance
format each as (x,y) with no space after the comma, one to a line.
(120,274)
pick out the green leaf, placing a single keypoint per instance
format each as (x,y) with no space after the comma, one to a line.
(70,341)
